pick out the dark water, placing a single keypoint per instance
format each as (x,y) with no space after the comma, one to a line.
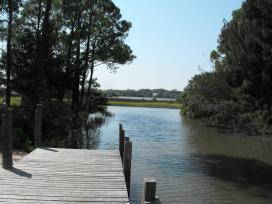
(192,163)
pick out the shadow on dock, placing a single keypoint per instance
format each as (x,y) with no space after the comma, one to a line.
(20,172)
(49,149)
(156,201)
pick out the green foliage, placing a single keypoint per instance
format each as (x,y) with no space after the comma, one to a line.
(99,101)
(23,130)
(237,93)
(245,43)
(54,46)
(46,61)
(205,94)
(21,140)
(57,123)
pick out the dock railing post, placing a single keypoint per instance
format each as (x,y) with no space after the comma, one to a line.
(4,108)
(120,137)
(38,126)
(121,142)
(149,194)
(127,163)
(6,132)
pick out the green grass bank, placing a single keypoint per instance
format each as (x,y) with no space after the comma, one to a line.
(149,104)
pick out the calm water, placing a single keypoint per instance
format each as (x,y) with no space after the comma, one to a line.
(192,163)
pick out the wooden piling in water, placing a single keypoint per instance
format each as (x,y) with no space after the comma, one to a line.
(6,132)
(121,142)
(120,137)
(38,126)
(126,139)
(149,194)
(127,163)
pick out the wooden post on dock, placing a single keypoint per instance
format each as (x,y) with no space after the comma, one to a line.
(6,132)
(38,126)
(121,141)
(149,194)
(3,111)
(127,163)
(120,136)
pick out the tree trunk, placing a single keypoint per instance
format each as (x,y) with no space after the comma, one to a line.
(37,51)
(44,53)
(89,91)
(68,71)
(10,19)
(85,68)
(75,95)
(90,80)
(68,60)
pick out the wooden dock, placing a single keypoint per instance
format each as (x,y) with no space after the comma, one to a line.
(49,175)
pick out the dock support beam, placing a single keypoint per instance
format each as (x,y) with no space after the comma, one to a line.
(6,132)
(121,140)
(125,148)
(38,126)
(149,194)
(127,163)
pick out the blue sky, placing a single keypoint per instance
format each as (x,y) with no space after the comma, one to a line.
(171,39)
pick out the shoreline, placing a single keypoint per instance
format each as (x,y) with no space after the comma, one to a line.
(146,104)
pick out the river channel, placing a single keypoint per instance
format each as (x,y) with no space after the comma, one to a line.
(192,162)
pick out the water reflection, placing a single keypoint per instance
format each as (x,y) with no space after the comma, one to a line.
(92,139)
(207,140)
(192,163)
(245,173)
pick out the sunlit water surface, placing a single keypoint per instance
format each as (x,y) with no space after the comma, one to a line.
(193,163)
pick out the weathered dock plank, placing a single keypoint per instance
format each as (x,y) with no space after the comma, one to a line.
(65,176)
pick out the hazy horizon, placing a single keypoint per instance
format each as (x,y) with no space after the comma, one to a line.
(141,88)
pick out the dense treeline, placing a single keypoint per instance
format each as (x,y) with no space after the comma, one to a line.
(53,48)
(161,93)
(237,93)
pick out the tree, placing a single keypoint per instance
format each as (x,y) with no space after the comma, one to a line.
(52,46)
(245,43)
(238,91)
(43,53)
(108,39)
(9,7)
(59,43)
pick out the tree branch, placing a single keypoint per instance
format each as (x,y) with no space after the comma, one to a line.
(2,21)
(99,64)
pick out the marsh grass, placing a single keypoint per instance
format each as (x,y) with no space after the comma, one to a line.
(151,104)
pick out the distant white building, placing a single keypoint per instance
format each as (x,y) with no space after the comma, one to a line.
(154,96)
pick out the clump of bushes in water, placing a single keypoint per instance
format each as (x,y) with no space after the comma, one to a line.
(237,93)
(56,123)
(58,126)
(59,129)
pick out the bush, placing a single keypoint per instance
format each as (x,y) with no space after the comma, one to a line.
(56,123)
(21,140)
